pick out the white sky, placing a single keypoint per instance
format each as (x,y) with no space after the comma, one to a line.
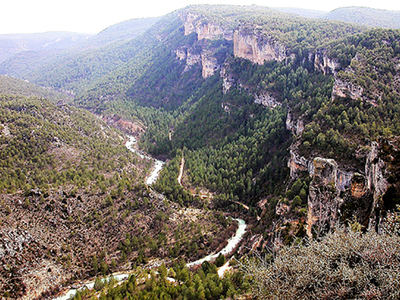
(91,16)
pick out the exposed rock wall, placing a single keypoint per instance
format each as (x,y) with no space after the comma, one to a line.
(295,126)
(205,30)
(227,79)
(335,194)
(343,89)
(324,63)
(265,98)
(257,48)
(209,64)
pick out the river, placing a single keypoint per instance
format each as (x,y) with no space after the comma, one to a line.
(233,242)
(158,164)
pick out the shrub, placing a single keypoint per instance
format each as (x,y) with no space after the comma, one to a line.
(344,265)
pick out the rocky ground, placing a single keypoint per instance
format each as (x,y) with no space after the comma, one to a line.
(46,242)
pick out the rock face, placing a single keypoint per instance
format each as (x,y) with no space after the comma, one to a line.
(266,99)
(324,199)
(227,79)
(257,48)
(205,30)
(343,89)
(297,164)
(336,195)
(323,63)
(209,64)
(295,126)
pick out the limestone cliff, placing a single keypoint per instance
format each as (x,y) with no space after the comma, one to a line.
(256,47)
(338,195)
(343,89)
(227,78)
(295,126)
(209,64)
(204,30)
(266,99)
(192,56)
(323,62)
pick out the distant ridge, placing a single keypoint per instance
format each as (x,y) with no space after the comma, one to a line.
(366,16)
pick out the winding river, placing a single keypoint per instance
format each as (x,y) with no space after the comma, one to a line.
(233,242)
(158,164)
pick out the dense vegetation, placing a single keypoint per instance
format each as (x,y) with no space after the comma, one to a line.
(339,86)
(177,282)
(46,146)
(366,16)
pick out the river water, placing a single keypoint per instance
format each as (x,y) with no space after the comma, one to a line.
(233,242)
(158,164)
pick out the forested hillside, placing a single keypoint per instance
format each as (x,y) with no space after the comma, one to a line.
(62,65)
(366,16)
(291,123)
(69,187)
(245,91)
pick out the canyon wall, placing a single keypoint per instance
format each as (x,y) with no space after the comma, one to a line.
(256,47)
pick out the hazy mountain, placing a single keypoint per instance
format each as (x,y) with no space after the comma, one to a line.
(308,13)
(366,16)
(23,61)
(126,30)
(11,44)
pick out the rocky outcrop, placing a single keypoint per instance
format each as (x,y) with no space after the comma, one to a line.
(189,56)
(324,63)
(226,107)
(344,89)
(257,48)
(336,195)
(297,164)
(295,126)
(209,64)
(374,171)
(192,58)
(377,180)
(265,98)
(227,79)
(205,30)
(323,198)
(4,130)
(181,53)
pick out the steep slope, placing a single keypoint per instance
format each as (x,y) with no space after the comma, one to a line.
(73,203)
(14,86)
(82,59)
(251,58)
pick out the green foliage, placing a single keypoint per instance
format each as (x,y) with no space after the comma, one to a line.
(46,146)
(297,33)
(186,284)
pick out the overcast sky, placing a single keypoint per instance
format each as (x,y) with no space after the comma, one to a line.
(91,16)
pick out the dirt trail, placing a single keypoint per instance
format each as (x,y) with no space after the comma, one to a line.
(181,171)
